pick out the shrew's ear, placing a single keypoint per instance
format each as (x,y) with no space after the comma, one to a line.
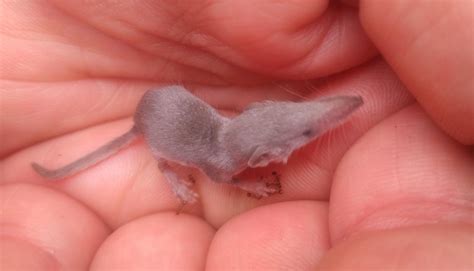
(263,155)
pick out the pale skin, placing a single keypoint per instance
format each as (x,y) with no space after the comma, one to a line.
(399,175)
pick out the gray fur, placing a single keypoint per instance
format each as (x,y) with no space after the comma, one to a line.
(179,127)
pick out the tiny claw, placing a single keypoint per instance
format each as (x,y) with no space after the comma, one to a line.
(255,196)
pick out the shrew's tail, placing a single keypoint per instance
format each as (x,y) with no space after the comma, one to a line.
(90,159)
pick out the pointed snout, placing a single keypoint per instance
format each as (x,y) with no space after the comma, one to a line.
(337,108)
(343,103)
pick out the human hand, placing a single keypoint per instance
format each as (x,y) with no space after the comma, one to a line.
(72,73)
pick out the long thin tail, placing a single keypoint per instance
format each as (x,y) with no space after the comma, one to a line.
(88,160)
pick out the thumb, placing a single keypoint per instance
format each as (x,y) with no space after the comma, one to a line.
(429,45)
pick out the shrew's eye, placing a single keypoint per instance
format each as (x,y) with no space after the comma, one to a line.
(308,133)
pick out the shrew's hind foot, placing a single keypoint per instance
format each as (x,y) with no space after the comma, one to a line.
(180,187)
(260,188)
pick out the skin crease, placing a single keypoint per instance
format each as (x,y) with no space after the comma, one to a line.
(405,177)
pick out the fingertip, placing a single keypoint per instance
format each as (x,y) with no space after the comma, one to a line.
(164,241)
(45,229)
(292,234)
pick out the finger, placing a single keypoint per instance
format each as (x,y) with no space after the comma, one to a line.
(285,235)
(160,242)
(403,172)
(434,247)
(308,173)
(304,40)
(46,230)
(429,44)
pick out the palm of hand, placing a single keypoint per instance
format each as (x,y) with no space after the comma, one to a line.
(98,69)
